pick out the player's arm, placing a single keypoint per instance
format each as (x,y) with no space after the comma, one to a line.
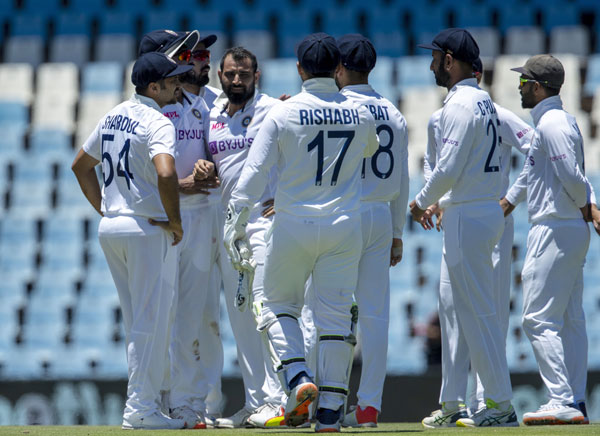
(263,154)
(456,125)
(513,130)
(563,162)
(161,144)
(84,168)
(399,204)
(431,150)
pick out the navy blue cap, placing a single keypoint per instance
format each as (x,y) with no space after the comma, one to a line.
(357,52)
(154,66)
(171,42)
(318,53)
(458,43)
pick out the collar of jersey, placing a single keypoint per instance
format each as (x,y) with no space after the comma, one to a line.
(320,84)
(466,82)
(223,104)
(544,106)
(363,87)
(137,98)
(188,97)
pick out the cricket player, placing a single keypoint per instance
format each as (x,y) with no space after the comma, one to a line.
(230,131)
(316,141)
(141,222)
(558,199)
(383,214)
(469,171)
(198,250)
(514,133)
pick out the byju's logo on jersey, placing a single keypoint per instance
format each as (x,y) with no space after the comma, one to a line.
(246,121)
(197,113)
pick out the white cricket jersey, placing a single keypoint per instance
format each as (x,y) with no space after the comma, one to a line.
(188,118)
(230,138)
(385,174)
(317,140)
(512,133)
(210,94)
(125,141)
(553,175)
(469,163)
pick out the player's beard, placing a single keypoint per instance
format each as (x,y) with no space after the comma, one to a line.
(527,101)
(195,79)
(239,97)
(442,77)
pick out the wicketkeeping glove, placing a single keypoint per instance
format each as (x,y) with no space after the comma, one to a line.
(243,297)
(235,230)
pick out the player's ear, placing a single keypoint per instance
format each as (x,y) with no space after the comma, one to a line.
(256,76)
(448,61)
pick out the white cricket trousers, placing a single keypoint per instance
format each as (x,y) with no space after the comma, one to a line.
(328,248)
(373,298)
(197,252)
(471,231)
(260,380)
(553,316)
(143,265)
(455,352)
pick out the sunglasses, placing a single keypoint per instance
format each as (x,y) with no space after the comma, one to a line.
(198,55)
(523,81)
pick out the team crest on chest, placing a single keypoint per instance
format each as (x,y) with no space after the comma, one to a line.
(197,113)
(246,121)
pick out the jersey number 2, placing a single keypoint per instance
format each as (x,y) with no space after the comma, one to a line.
(123,156)
(319,143)
(491,168)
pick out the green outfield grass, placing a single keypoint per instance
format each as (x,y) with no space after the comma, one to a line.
(385,428)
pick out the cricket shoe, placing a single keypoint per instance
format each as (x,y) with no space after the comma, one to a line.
(192,419)
(360,417)
(583,410)
(328,421)
(238,420)
(268,415)
(490,416)
(211,420)
(155,421)
(302,394)
(554,414)
(444,418)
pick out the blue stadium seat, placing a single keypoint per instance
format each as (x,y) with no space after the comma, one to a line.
(525,40)
(46,143)
(413,71)
(559,14)
(253,19)
(19,257)
(33,198)
(70,48)
(472,13)
(28,49)
(29,25)
(116,47)
(390,43)
(208,19)
(338,22)
(570,39)
(51,283)
(293,25)
(488,40)
(102,77)
(431,19)
(73,23)
(381,78)
(32,170)
(116,22)
(515,14)
(12,142)
(155,20)
(64,258)
(280,76)
(90,7)
(137,7)
(46,8)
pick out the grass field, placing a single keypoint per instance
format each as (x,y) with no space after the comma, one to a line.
(384,428)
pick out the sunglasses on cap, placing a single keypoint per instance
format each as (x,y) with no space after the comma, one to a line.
(198,55)
(523,81)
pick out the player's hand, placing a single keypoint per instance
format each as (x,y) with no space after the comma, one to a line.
(269,209)
(440,216)
(426,220)
(396,252)
(190,185)
(586,212)
(507,206)
(235,230)
(416,211)
(596,218)
(171,227)
(203,169)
